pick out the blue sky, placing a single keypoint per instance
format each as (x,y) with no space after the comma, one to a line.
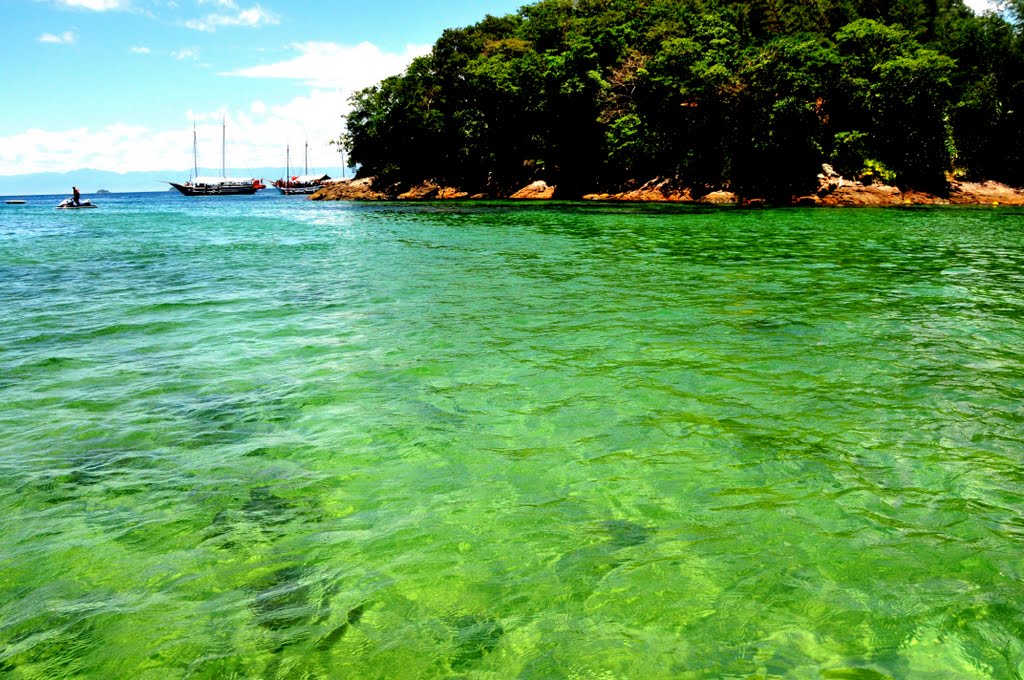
(117,84)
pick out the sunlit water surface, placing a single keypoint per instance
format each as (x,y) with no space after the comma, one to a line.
(268,438)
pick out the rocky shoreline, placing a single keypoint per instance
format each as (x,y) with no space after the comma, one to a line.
(833,191)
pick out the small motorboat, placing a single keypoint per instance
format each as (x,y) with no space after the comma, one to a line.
(69,204)
(16,201)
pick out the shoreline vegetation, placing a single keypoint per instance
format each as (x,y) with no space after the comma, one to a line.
(776,102)
(832,192)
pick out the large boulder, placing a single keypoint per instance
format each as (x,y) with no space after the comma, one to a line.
(420,192)
(857,194)
(431,190)
(349,190)
(987,193)
(656,190)
(720,197)
(535,191)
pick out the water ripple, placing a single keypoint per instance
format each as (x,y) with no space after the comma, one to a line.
(273,438)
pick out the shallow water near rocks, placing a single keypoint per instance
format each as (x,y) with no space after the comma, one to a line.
(263,437)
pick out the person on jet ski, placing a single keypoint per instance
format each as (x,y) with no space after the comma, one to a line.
(75,195)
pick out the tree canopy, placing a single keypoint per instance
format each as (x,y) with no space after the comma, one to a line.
(753,95)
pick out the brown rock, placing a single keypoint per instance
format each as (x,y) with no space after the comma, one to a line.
(832,191)
(656,190)
(857,194)
(827,184)
(535,191)
(836,191)
(984,193)
(719,197)
(659,190)
(914,197)
(349,190)
(420,192)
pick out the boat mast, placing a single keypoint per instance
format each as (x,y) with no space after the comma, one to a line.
(307,157)
(223,137)
(195,153)
(287,166)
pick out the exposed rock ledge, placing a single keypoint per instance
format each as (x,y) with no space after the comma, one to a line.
(965,193)
(538,190)
(660,189)
(656,190)
(364,190)
(833,191)
(847,193)
(349,190)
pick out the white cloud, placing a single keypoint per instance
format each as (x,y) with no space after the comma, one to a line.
(330,65)
(186,53)
(256,137)
(257,131)
(138,49)
(249,18)
(116,147)
(95,5)
(65,38)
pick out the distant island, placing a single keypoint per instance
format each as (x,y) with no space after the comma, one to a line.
(102,191)
(841,101)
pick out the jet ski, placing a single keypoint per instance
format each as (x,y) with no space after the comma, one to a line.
(69,204)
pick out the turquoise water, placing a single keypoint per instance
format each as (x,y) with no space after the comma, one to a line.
(268,438)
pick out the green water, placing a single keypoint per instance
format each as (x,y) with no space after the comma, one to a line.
(268,438)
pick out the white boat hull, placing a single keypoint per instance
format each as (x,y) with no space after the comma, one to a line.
(293,191)
(215,189)
(68,204)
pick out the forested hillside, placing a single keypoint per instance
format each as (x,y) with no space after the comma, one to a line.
(753,96)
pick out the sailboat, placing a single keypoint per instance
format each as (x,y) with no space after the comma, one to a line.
(299,184)
(216,186)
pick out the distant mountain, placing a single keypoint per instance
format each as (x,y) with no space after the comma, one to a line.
(61,182)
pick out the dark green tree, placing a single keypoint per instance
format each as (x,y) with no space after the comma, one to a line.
(748,94)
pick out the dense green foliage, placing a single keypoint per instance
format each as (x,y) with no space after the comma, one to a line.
(754,95)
